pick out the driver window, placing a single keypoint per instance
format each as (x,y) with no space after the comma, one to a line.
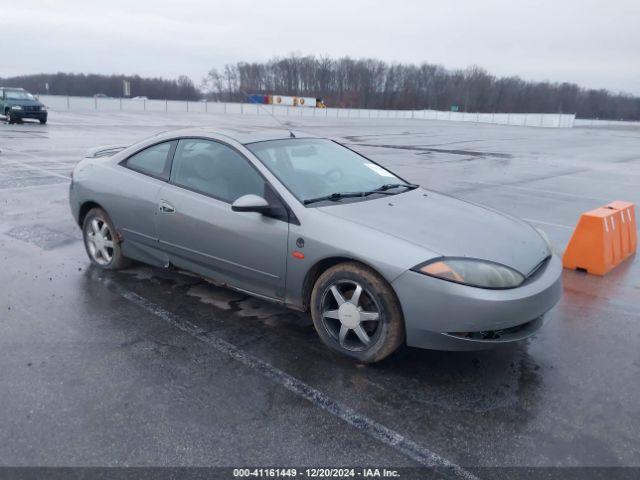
(214,169)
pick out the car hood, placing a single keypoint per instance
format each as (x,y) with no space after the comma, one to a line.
(23,102)
(450,227)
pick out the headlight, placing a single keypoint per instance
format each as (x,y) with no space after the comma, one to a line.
(472,272)
(16,107)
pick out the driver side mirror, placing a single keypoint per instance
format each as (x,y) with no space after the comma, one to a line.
(251,203)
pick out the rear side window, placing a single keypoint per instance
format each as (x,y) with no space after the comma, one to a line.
(153,161)
(214,169)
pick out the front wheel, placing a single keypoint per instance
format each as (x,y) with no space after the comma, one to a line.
(43,121)
(356,312)
(101,242)
(9,117)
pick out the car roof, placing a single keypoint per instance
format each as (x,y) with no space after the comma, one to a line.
(241,135)
(13,88)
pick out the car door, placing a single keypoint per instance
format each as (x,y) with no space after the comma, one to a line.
(200,232)
(133,206)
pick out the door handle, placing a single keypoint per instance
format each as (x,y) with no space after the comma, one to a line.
(166,207)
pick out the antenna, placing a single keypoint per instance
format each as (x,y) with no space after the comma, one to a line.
(268,112)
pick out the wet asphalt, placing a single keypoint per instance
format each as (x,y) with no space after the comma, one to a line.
(150,367)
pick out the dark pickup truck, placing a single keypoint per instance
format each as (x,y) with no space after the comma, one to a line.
(17,104)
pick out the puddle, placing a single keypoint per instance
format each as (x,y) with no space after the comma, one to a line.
(427,150)
(42,236)
(221,298)
(29,181)
(246,306)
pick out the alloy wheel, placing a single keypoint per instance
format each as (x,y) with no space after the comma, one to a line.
(351,315)
(99,241)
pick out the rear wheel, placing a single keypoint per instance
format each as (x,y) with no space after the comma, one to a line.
(101,242)
(356,313)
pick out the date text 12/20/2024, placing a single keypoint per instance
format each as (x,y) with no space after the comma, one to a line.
(315,473)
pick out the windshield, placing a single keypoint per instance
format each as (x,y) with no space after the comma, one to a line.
(18,95)
(312,168)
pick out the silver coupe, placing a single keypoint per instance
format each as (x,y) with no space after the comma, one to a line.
(309,223)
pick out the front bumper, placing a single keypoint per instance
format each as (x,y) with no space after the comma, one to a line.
(36,115)
(443,315)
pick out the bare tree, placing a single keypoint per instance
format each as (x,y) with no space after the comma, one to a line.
(363,82)
(91,84)
(371,83)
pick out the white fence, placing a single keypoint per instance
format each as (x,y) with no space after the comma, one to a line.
(591,122)
(79,104)
(553,120)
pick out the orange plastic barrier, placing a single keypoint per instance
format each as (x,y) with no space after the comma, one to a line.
(629,229)
(603,238)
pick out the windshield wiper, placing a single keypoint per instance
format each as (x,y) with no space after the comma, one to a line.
(381,190)
(389,186)
(335,196)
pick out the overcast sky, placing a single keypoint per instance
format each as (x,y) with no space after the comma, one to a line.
(592,43)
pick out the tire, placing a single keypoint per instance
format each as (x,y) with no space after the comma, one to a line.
(43,121)
(9,117)
(100,241)
(342,328)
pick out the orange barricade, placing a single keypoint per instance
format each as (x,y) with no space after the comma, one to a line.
(629,229)
(603,238)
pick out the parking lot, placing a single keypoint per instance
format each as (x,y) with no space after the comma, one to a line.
(151,367)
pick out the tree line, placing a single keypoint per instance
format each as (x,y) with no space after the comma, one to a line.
(356,83)
(371,83)
(111,85)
